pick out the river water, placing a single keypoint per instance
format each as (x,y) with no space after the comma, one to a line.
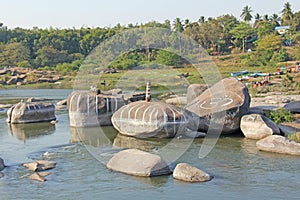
(240,171)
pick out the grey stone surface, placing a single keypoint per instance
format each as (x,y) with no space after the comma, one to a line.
(279,144)
(2,166)
(188,173)
(256,126)
(293,107)
(194,90)
(138,163)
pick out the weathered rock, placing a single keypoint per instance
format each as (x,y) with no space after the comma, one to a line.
(149,119)
(13,80)
(293,107)
(2,166)
(25,112)
(188,173)
(194,90)
(62,102)
(40,165)
(221,106)
(279,144)
(138,163)
(90,109)
(39,176)
(287,130)
(177,101)
(256,126)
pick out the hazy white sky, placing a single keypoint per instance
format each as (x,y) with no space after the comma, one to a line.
(77,13)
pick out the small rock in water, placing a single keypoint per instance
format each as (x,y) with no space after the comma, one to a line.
(2,166)
(188,173)
(40,165)
(53,122)
(39,176)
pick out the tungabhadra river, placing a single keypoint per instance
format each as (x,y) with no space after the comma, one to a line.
(240,171)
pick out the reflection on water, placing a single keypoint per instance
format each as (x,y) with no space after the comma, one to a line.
(24,132)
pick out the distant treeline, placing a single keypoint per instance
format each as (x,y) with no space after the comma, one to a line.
(65,49)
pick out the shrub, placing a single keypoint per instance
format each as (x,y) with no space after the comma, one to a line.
(295,137)
(280,115)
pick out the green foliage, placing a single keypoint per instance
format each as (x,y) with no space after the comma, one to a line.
(169,58)
(281,56)
(280,115)
(294,137)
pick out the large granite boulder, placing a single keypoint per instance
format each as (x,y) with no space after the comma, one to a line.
(138,163)
(194,90)
(221,106)
(149,119)
(278,144)
(188,173)
(26,112)
(256,126)
(293,107)
(88,108)
(2,166)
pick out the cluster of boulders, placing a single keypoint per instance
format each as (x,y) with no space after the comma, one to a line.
(20,76)
(40,169)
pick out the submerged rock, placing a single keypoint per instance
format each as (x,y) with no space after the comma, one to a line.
(188,173)
(149,119)
(39,176)
(2,166)
(25,112)
(256,126)
(138,163)
(278,144)
(221,106)
(91,109)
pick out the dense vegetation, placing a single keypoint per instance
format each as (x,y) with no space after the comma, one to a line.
(65,49)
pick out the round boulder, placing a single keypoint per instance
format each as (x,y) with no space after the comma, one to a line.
(149,119)
(138,163)
(278,144)
(256,126)
(188,173)
(221,106)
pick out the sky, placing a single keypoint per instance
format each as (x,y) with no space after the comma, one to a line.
(108,13)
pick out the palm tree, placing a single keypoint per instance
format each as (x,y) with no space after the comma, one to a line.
(246,14)
(287,14)
(275,19)
(257,21)
(201,20)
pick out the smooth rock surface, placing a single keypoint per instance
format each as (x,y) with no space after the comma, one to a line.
(256,126)
(293,107)
(91,109)
(149,119)
(221,106)
(39,176)
(138,163)
(188,173)
(40,165)
(25,112)
(278,144)
(194,90)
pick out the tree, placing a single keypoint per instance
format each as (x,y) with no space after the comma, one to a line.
(178,25)
(13,53)
(241,32)
(269,43)
(246,14)
(287,14)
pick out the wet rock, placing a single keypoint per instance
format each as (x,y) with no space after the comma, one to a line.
(278,144)
(293,107)
(39,176)
(1,175)
(194,90)
(40,165)
(193,134)
(2,166)
(221,106)
(91,109)
(149,119)
(138,163)
(256,126)
(25,112)
(188,173)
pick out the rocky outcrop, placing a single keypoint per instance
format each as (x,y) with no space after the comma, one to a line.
(221,106)
(138,163)
(39,176)
(194,90)
(256,126)
(2,166)
(278,144)
(25,112)
(188,173)
(149,119)
(293,107)
(88,108)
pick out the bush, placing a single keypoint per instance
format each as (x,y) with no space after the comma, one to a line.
(280,115)
(295,137)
